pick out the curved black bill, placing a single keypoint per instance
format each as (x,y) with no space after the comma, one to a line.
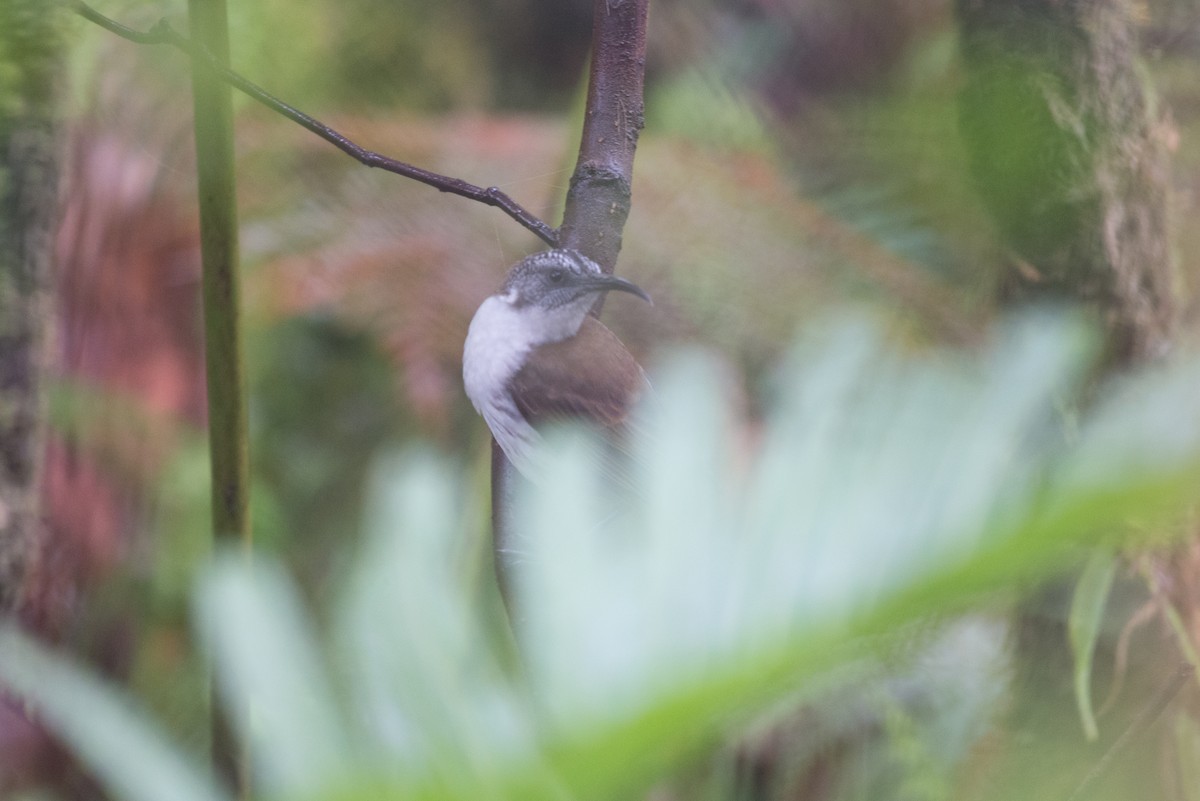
(611,283)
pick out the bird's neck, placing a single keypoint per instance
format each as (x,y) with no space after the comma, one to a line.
(502,334)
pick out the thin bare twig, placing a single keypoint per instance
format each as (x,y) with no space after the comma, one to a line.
(163,34)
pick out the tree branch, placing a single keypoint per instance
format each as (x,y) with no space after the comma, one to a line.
(601,189)
(163,34)
(599,199)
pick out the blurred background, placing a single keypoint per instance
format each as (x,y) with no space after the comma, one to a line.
(799,156)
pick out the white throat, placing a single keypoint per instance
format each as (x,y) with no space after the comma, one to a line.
(500,338)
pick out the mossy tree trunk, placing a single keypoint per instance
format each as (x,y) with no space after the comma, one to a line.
(30,61)
(1067,149)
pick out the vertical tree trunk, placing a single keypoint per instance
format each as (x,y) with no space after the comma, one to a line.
(1065,145)
(30,60)
(599,199)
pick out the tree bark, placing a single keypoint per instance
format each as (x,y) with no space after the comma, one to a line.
(1066,147)
(598,201)
(601,190)
(30,61)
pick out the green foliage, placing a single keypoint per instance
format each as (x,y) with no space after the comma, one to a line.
(125,752)
(1086,618)
(708,112)
(362,53)
(1187,741)
(31,41)
(890,489)
(306,369)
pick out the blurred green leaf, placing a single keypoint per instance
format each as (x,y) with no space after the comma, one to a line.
(1083,626)
(271,676)
(1187,746)
(655,614)
(129,755)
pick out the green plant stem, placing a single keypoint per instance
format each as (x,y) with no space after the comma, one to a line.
(227,425)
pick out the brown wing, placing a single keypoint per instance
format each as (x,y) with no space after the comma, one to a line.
(590,376)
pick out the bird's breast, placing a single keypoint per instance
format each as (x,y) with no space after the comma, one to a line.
(496,346)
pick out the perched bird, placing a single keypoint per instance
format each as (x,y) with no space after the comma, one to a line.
(533,353)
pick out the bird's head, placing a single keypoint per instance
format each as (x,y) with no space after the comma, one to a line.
(555,289)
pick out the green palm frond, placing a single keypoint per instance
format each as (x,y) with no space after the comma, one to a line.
(889,488)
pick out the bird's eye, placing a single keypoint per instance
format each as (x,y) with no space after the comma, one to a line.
(555,276)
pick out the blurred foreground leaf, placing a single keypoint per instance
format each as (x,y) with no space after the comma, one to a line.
(1083,625)
(1187,740)
(888,489)
(127,754)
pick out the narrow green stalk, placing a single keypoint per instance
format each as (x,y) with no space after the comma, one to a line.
(228,450)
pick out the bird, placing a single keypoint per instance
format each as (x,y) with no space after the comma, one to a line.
(534,353)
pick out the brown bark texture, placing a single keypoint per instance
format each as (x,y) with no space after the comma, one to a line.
(601,190)
(600,195)
(1067,148)
(30,50)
